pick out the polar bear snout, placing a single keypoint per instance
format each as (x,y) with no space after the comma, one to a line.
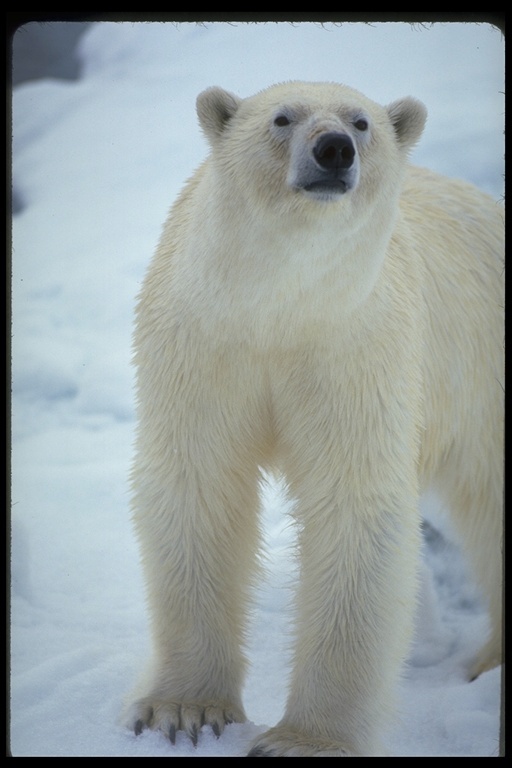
(332,166)
(334,151)
(326,167)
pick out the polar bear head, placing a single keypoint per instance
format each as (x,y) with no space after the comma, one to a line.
(310,141)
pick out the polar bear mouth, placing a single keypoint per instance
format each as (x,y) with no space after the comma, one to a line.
(327,189)
(339,186)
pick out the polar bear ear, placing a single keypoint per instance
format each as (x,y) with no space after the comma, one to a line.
(215,108)
(408,117)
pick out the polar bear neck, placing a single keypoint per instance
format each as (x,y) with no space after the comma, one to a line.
(294,279)
(297,253)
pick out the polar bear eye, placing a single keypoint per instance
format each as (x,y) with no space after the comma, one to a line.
(281,120)
(361,124)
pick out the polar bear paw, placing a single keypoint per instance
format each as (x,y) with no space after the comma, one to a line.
(169,717)
(490,656)
(283,741)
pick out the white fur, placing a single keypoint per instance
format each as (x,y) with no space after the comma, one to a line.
(352,341)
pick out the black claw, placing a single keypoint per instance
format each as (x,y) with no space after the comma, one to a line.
(138,727)
(193,735)
(260,752)
(172,734)
(216,729)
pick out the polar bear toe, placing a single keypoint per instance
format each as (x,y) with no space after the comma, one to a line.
(282,741)
(169,717)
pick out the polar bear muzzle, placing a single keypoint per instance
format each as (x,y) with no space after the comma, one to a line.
(329,168)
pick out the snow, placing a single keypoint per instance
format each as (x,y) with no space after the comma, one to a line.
(97,161)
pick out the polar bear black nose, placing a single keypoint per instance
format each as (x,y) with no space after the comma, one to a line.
(334,150)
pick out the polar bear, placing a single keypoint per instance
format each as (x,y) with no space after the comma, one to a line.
(318,307)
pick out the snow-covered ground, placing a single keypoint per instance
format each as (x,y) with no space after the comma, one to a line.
(97,161)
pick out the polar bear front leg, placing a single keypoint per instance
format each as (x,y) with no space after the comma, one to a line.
(196,519)
(354,614)
(355,483)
